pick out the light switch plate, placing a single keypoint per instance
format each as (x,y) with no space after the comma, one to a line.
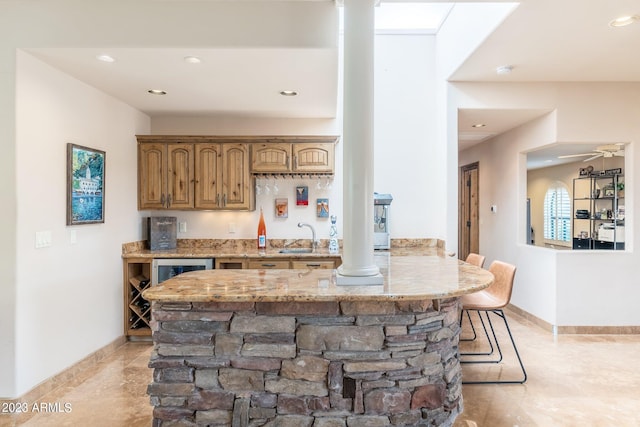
(43,239)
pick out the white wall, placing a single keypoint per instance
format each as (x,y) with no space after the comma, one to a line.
(565,288)
(69,296)
(407,162)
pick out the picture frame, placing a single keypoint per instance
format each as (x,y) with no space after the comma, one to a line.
(85,185)
(302,195)
(282,208)
(322,208)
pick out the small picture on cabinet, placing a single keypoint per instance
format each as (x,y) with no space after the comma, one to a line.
(302,195)
(322,209)
(282,208)
(584,235)
(608,191)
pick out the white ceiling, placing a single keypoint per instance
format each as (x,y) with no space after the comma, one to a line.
(544,40)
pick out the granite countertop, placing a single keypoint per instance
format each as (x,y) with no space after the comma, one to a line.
(430,275)
(228,253)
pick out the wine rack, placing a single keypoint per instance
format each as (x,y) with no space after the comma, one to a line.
(137,310)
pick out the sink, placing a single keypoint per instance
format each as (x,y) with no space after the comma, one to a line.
(296,251)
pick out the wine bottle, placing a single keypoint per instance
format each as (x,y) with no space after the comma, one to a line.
(262,233)
(333,236)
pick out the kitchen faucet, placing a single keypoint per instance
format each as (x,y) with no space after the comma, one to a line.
(314,243)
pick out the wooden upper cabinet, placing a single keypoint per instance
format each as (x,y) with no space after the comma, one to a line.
(237,184)
(165,176)
(152,176)
(181,176)
(313,157)
(208,182)
(270,158)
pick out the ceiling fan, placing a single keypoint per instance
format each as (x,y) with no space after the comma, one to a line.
(605,151)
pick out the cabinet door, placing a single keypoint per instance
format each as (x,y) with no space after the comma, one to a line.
(180,176)
(208,186)
(237,187)
(313,157)
(152,176)
(270,158)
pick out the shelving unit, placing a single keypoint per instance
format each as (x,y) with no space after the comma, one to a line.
(598,212)
(137,313)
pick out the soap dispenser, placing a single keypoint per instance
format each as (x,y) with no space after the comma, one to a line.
(333,236)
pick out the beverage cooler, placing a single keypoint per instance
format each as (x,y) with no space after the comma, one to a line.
(381,203)
(166,268)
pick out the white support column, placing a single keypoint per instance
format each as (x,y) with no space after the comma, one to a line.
(358,265)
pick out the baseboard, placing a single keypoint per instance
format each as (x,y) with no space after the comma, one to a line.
(574,330)
(50,384)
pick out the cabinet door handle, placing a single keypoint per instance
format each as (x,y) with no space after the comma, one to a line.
(268,265)
(295,162)
(224,200)
(169,200)
(313,265)
(286,160)
(218,199)
(162,199)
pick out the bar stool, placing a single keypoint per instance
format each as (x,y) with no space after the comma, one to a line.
(492,300)
(478,261)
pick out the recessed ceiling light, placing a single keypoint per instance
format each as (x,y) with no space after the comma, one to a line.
(288,93)
(105,58)
(478,125)
(192,59)
(623,21)
(504,69)
(157,92)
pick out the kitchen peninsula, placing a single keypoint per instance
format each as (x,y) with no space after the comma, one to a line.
(290,348)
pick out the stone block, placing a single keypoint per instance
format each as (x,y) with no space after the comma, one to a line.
(270,338)
(206,362)
(370,385)
(392,330)
(241,379)
(211,399)
(349,338)
(184,350)
(169,306)
(173,375)
(295,405)
(318,404)
(283,351)
(425,359)
(293,421)
(408,338)
(356,355)
(308,368)
(441,334)
(209,316)
(228,345)
(170,389)
(411,418)
(241,412)
(380,365)
(170,413)
(182,338)
(262,413)
(296,387)
(323,320)
(429,396)
(216,417)
(256,363)
(405,374)
(264,400)
(207,379)
(389,319)
(194,326)
(387,401)
(330,422)
(368,421)
(263,324)
(328,308)
(418,306)
(359,308)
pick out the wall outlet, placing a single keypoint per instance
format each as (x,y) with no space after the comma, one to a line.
(43,239)
(232,227)
(182,227)
(73,237)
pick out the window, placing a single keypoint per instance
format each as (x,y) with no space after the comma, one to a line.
(557,214)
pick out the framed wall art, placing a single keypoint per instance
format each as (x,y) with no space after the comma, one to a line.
(85,185)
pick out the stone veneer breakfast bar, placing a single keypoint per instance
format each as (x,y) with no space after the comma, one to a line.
(289,348)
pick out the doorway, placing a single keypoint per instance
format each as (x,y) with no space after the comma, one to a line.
(469,233)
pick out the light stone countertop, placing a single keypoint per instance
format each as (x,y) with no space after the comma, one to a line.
(406,277)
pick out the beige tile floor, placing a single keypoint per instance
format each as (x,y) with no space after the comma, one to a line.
(574,380)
